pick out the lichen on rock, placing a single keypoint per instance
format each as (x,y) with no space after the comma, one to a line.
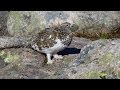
(8,57)
(101,61)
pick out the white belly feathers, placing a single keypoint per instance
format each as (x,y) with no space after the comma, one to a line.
(56,48)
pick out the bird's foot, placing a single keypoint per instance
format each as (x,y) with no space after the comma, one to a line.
(56,56)
(50,62)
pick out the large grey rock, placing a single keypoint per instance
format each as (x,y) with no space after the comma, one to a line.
(83,59)
(31,22)
(91,23)
(99,24)
(100,59)
(26,63)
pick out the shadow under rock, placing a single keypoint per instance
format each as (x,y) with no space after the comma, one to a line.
(68,51)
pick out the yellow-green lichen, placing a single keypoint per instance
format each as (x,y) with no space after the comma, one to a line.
(113,70)
(92,32)
(17,19)
(8,57)
(110,62)
(94,75)
(103,75)
(104,36)
(106,58)
(67,60)
(24,23)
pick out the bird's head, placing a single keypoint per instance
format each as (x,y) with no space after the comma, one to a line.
(71,27)
(66,25)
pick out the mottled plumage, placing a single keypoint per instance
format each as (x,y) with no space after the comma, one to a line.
(52,40)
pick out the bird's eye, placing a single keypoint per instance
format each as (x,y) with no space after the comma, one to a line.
(67,24)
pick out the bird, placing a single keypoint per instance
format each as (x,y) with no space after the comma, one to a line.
(53,40)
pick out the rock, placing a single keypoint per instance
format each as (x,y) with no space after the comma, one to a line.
(3,22)
(31,22)
(2,63)
(21,63)
(101,24)
(98,24)
(83,59)
(30,64)
(98,60)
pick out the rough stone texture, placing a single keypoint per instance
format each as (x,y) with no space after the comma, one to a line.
(12,42)
(83,59)
(27,63)
(98,24)
(98,59)
(3,23)
(18,63)
(91,23)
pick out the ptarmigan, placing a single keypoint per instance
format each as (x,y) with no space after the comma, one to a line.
(52,40)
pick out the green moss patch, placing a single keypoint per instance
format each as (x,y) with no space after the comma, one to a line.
(8,57)
(107,58)
(94,75)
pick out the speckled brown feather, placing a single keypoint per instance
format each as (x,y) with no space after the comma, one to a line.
(47,37)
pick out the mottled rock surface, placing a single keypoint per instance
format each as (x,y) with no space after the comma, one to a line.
(83,59)
(3,23)
(29,64)
(98,59)
(99,24)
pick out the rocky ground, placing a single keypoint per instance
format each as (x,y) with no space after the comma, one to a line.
(30,64)
(93,54)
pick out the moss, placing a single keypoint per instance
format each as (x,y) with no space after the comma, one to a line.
(25,23)
(8,57)
(116,72)
(104,36)
(81,24)
(94,75)
(16,18)
(67,60)
(107,58)
(2,54)
(11,58)
(103,75)
(109,62)
(111,69)
(94,33)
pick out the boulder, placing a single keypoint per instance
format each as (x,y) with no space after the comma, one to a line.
(99,24)
(98,60)
(26,63)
